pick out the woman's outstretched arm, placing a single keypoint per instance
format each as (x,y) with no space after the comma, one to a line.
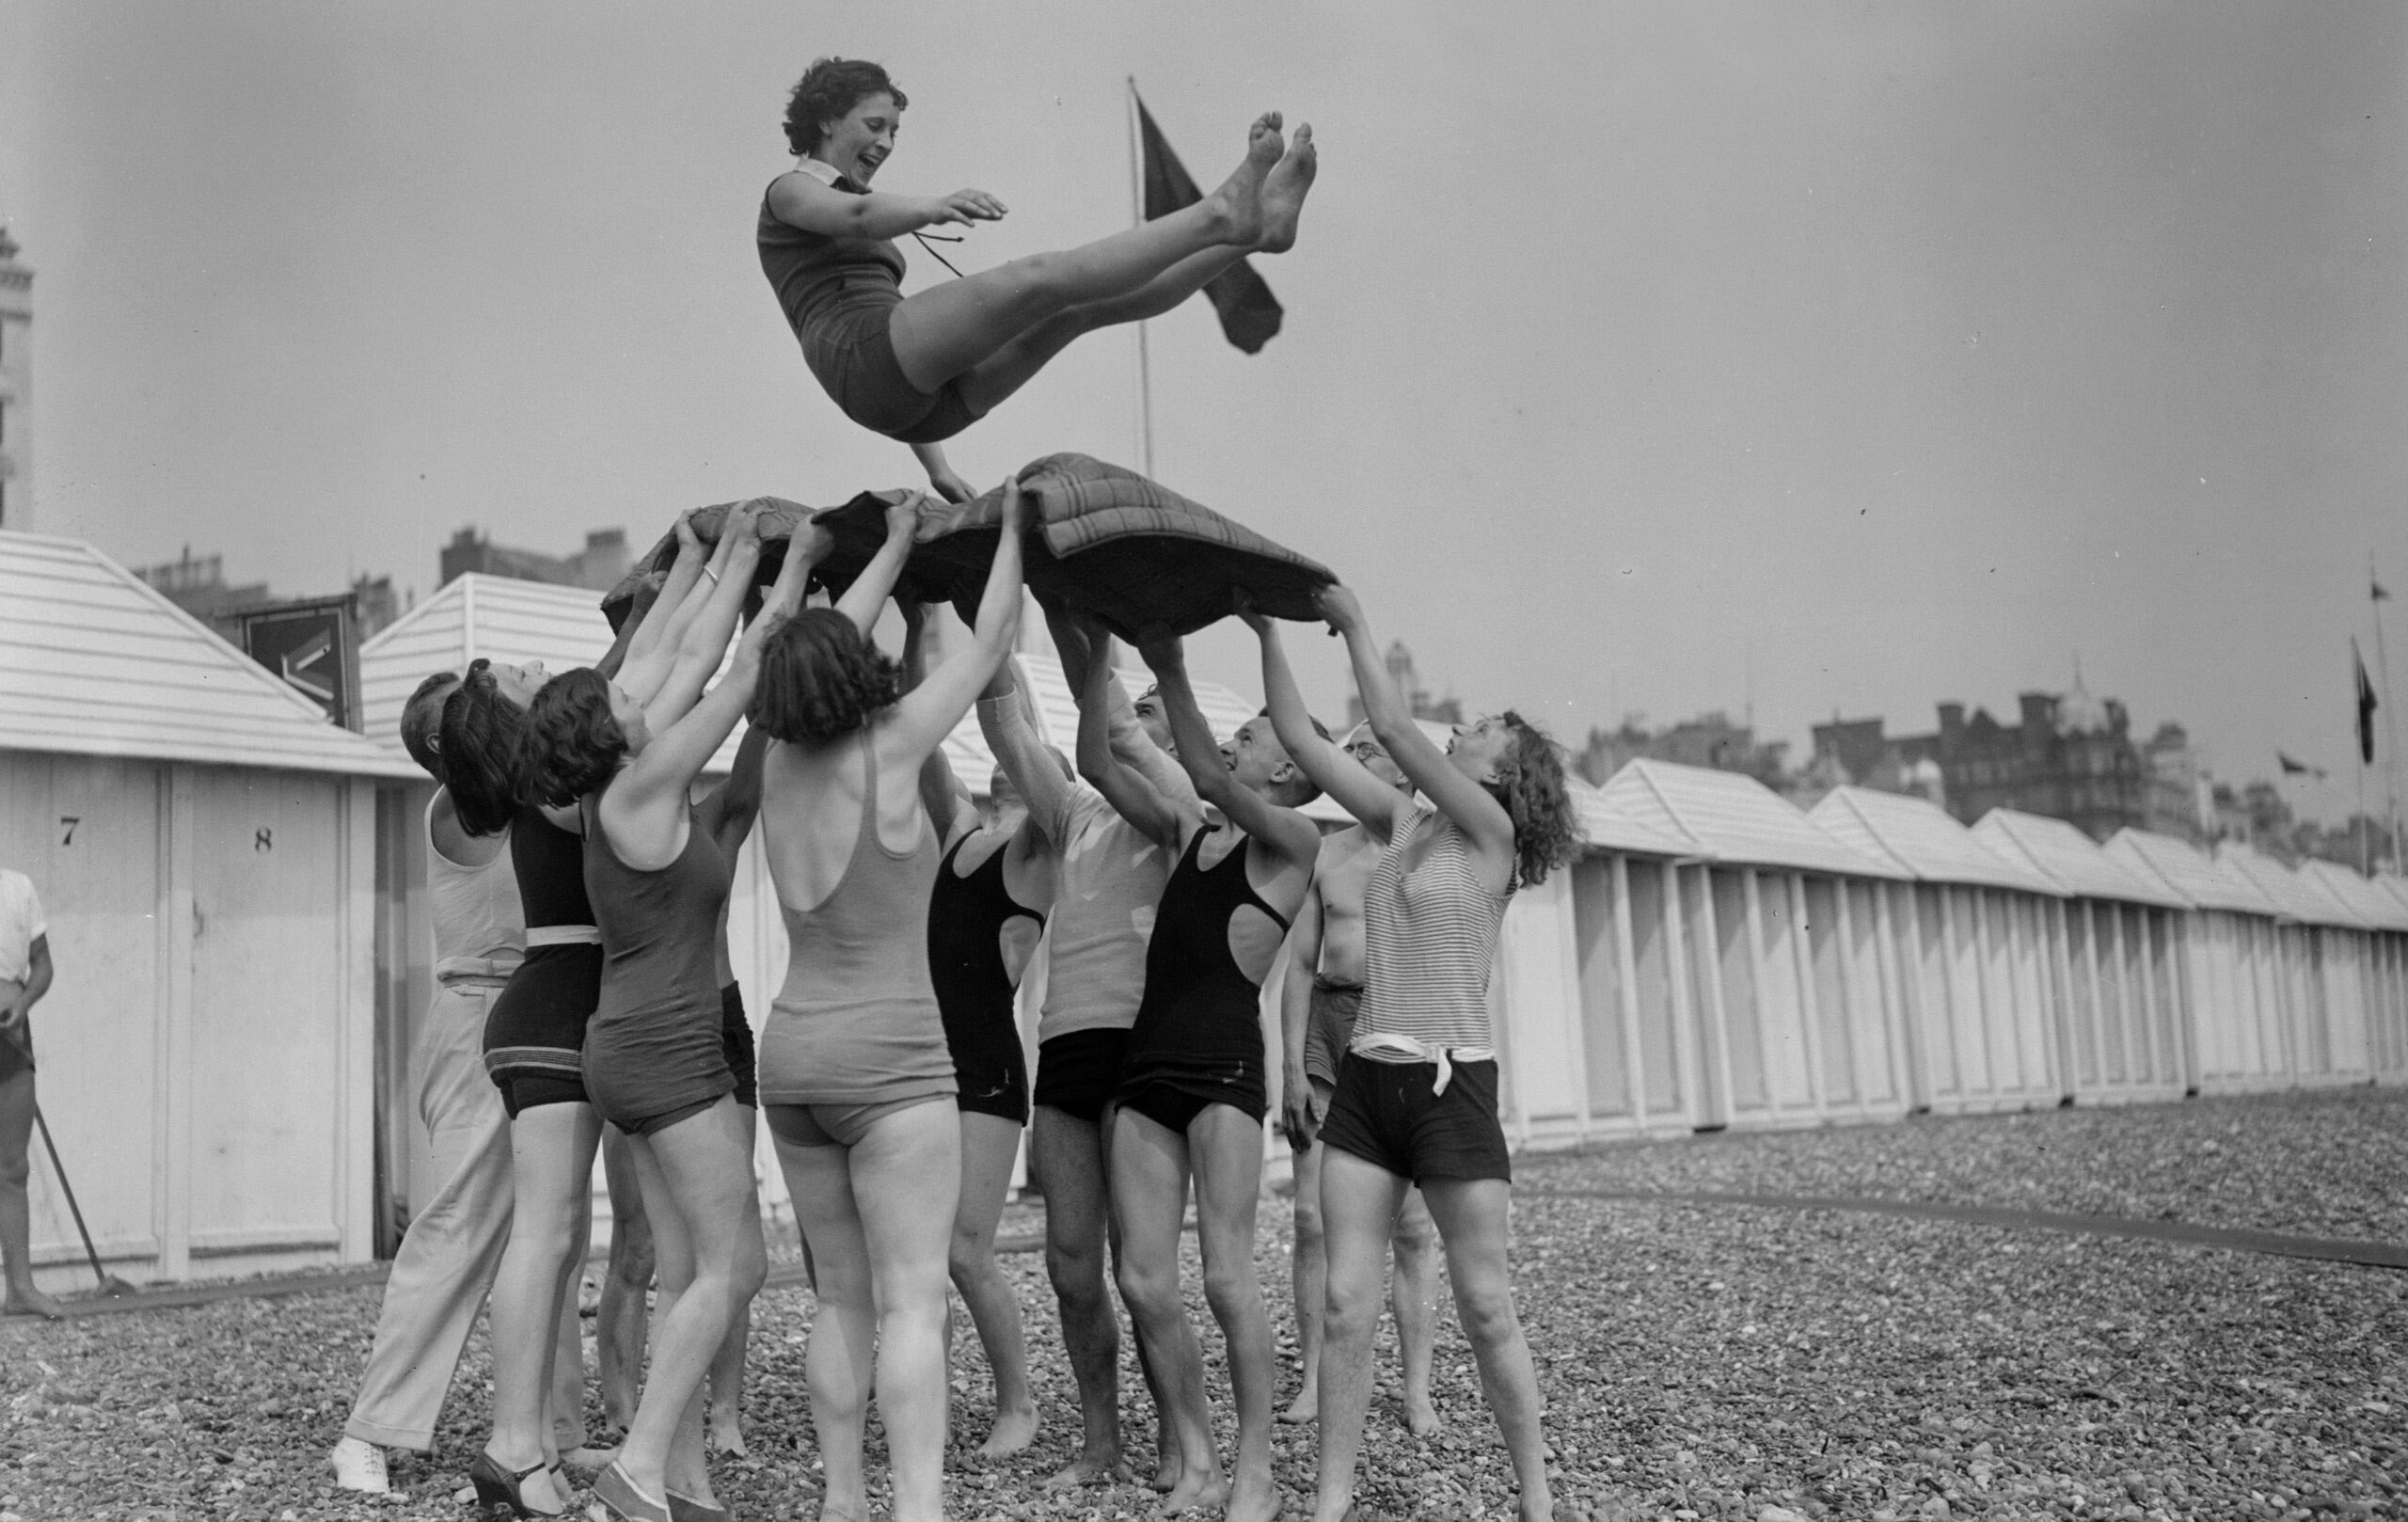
(651,648)
(867,597)
(1122,786)
(928,713)
(800,200)
(1343,778)
(1459,797)
(702,642)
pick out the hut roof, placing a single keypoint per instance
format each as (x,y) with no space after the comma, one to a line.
(1921,838)
(2374,909)
(93,662)
(2296,898)
(2190,872)
(2068,858)
(1729,817)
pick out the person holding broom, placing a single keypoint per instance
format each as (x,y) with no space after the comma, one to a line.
(25,977)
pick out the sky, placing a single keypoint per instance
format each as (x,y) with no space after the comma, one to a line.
(1651,359)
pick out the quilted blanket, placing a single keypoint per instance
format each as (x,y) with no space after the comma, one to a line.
(1106,540)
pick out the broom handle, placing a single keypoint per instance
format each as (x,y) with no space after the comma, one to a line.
(77,1211)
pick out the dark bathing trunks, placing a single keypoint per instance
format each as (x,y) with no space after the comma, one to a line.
(736,1043)
(652,1052)
(1198,1039)
(975,990)
(535,1031)
(1386,1114)
(1079,1073)
(837,294)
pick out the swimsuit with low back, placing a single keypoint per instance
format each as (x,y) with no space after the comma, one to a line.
(1198,1039)
(974,988)
(652,1054)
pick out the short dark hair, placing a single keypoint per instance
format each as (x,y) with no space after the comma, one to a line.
(821,678)
(420,715)
(1530,784)
(827,89)
(484,744)
(572,745)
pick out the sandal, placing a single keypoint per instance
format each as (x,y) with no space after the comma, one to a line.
(622,1502)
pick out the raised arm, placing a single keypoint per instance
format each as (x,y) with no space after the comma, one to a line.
(1295,1019)
(867,597)
(800,200)
(1459,797)
(1130,794)
(728,813)
(1335,772)
(1199,755)
(674,608)
(1003,719)
(948,485)
(929,712)
(684,572)
(701,643)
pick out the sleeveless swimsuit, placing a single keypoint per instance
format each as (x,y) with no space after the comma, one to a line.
(535,1033)
(1418,1088)
(973,988)
(652,1053)
(1197,1040)
(480,939)
(837,294)
(855,1034)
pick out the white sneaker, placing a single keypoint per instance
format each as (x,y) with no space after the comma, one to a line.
(360,1465)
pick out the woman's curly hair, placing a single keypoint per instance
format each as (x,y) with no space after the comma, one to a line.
(829,90)
(1530,784)
(481,735)
(571,745)
(420,718)
(821,679)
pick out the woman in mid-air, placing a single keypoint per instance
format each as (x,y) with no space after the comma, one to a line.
(920,369)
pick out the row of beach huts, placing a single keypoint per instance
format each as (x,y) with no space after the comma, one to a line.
(235,892)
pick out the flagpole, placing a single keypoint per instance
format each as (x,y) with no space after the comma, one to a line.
(1137,218)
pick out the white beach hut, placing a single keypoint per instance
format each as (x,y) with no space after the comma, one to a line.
(2359,963)
(2324,1028)
(2121,1028)
(2228,958)
(1791,952)
(205,846)
(1979,970)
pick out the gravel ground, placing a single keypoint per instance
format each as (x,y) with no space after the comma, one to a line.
(1697,1361)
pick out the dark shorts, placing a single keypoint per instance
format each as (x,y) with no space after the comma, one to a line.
(849,350)
(990,1065)
(1174,1106)
(1078,1073)
(1329,1024)
(1386,1114)
(535,1030)
(14,1058)
(736,1042)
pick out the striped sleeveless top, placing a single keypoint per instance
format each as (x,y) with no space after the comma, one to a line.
(1432,938)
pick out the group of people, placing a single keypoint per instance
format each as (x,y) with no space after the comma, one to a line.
(580,879)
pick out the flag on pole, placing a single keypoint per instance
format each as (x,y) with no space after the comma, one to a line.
(1249,312)
(2292,768)
(2379,594)
(2365,707)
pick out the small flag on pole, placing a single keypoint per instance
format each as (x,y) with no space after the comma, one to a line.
(2365,707)
(2293,769)
(2379,594)
(1249,312)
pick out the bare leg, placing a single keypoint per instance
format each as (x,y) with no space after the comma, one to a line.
(1413,1294)
(844,1320)
(951,328)
(988,1144)
(16,1214)
(1358,1203)
(1148,1197)
(907,1179)
(701,1169)
(551,1160)
(1472,1217)
(622,1321)
(727,1369)
(1069,1155)
(1310,1266)
(1224,1147)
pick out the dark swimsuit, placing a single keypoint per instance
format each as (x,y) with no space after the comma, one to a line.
(975,990)
(653,1051)
(1198,1039)
(535,1032)
(837,294)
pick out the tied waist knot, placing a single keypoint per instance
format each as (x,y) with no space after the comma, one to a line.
(451,971)
(1386,1046)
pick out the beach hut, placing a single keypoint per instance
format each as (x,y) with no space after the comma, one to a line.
(1788,945)
(205,844)
(1980,971)
(2391,1047)
(2227,955)
(2119,1032)
(2315,938)
(2359,963)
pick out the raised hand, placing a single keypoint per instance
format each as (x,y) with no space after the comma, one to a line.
(967,206)
(903,517)
(1336,606)
(1016,506)
(812,540)
(1241,603)
(689,542)
(1158,646)
(744,527)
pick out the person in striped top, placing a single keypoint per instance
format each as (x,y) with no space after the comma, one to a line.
(1416,1091)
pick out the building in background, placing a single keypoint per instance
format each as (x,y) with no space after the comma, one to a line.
(16,388)
(1710,740)
(1441,710)
(197,584)
(599,567)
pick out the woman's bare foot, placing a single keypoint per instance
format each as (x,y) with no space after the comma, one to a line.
(727,1436)
(1307,1405)
(1420,1417)
(1092,1469)
(1196,1488)
(27,1301)
(1254,1498)
(1284,191)
(1238,203)
(1012,1432)
(1168,1469)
